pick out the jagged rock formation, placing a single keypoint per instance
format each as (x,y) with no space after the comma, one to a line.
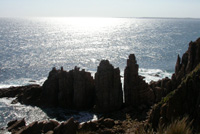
(185,100)
(184,65)
(184,88)
(29,94)
(73,89)
(161,88)
(190,59)
(136,90)
(108,88)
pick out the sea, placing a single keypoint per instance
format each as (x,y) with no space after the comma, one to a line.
(31,47)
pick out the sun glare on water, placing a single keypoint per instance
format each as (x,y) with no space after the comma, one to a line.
(87,24)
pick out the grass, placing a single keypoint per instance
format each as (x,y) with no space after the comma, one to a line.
(177,127)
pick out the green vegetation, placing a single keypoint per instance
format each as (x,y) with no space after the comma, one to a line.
(166,98)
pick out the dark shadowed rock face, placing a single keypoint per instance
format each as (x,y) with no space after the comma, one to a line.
(68,127)
(184,65)
(108,88)
(136,90)
(29,94)
(50,89)
(83,89)
(73,89)
(190,59)
(14,126)
(185,100)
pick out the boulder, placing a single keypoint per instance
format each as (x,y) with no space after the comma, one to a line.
(68,127)
(16,125)
(136,90)
(33,128)
(49,125)
(108,123)
(108,88)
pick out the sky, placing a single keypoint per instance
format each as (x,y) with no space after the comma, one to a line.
(100,8)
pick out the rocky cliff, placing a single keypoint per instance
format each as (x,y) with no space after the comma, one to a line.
(136,90)
(185,100)
(184,65)
(184,90)
(73,89)
(108,88)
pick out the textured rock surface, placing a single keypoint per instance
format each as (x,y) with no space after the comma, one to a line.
(184,65)
(68,127)
(83,89)
(190,59)
(136,90)
(15,125)
(185,100)
(108,88)
(29,94)
(73,89)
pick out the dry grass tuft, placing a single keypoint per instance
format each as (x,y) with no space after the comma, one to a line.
(177,127)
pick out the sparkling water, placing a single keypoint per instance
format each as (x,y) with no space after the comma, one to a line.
(30,47)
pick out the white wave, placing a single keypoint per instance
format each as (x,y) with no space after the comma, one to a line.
(154,74)
(21,82)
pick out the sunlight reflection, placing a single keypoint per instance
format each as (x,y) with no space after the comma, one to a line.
(87,24)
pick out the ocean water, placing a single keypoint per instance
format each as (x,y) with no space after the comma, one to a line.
(30,47)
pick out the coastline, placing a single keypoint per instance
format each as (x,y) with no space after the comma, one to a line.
(150,94)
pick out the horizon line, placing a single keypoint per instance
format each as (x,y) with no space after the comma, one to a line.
(97,17)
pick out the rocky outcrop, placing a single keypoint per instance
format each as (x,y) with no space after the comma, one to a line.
(101,126)
(83,89)
(185,100)
(161,88)
(29,94)
(70,126)
(184,65)
(108,88)
(136,90)
(73,89)
(190,59)
(16,125)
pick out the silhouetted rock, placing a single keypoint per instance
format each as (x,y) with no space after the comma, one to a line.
(49,125)
(136,90)
(83,89)
(185,100)
(108,88)
(51,89)
(108,123)
(29,94)
(15,125)
(33,128)
(161,88)
(190,59)
(15,91)
(18,127)
(73,89)
(68,127)
(101,126)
